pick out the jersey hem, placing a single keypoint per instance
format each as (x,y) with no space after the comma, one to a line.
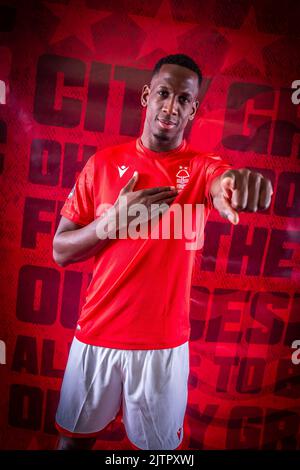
(116,345)
(73,217)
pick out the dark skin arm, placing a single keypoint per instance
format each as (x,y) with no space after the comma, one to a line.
(73,243)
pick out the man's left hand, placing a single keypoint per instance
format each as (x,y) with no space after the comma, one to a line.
(241,190)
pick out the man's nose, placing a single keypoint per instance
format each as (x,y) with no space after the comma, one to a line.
(170,106)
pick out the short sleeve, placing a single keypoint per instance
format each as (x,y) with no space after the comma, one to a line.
(79,205)
(216,166)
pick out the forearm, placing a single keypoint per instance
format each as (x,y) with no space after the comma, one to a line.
(78,245)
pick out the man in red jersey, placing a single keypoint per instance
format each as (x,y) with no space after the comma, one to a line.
(131,340)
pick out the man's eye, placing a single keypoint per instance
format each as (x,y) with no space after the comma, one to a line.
(162,92)
(184,99)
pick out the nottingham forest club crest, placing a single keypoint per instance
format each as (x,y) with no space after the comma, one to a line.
(182,177)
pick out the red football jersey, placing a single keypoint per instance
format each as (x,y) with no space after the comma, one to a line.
(139,295)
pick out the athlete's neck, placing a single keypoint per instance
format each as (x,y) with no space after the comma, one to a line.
(157,145)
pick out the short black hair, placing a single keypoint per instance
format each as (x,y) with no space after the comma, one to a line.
(178,59)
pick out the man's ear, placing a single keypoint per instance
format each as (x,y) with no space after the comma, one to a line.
(145,95)
(195,107)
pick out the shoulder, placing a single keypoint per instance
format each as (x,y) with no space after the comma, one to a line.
(108,154)
(206,158)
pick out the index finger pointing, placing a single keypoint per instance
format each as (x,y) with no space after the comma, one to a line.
(230,182)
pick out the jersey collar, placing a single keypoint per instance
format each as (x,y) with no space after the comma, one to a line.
(151,153)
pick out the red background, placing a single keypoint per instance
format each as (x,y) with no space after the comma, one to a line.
(73,73)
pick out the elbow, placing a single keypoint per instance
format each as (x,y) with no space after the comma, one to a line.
(58,257)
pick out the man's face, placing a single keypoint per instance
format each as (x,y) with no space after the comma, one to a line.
(171,102)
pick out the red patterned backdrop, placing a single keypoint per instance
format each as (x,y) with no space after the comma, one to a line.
(71,74)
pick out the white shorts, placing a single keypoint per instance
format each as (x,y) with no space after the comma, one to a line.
(151,384)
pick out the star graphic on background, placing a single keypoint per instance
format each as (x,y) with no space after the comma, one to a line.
(161,31)
(75,20)
(247,43)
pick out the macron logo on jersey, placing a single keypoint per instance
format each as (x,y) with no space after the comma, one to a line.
(122,169)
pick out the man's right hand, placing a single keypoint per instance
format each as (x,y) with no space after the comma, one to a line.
(146,197)
(74,243)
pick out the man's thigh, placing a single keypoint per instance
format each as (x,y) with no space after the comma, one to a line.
(155,392)
(91,392)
